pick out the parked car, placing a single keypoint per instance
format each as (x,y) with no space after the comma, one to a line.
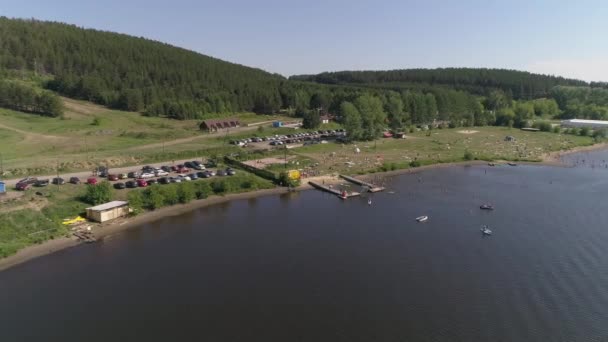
(184,178)
(151,181)
(25,183)
(74,180)
(221,173)
(175,180)
(112,178)
(211,172)
(202,174)
(92,180)
(230,172)
(193,176)
(133,174)
(160,173)
(119,185)
(174,168)
(210,163)
(142,183)
(101,171)
(41,182)
(166,168)
(146,175)
(58,181)
(164,180)
(197,165)
(183,170)
(148,168)
(131,184)
(123,176)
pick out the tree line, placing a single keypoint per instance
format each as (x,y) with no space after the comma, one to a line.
(27,98)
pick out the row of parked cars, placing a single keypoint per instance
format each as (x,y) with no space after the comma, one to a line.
(147,176)
(276,140)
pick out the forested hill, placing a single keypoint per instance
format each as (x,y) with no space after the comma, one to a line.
(133,73)
(519,84)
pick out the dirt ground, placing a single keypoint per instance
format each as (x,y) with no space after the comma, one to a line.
(265,162)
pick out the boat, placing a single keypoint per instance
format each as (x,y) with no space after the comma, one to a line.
(486,207)
(369,202)
(422,218)
(511,164)
(491,164)
(486,231)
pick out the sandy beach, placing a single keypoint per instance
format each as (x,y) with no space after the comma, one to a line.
(106,229)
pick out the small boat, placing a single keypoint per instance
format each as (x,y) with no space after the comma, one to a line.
(369,202)
(486,231)
(511,164)
(486,207)
(491,164)
(422,218)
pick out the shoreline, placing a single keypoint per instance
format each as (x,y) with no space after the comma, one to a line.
(104,230)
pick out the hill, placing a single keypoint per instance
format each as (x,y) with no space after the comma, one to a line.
(480,81)
(131,73)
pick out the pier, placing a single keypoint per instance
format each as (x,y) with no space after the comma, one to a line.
(372,187)
(85,236)
(335,191)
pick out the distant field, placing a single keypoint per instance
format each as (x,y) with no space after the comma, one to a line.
(441,146)
(90,135)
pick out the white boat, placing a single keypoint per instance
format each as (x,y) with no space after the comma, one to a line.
(369,202)
(486,231)
(422,218)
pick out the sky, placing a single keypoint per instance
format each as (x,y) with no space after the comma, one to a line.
(565,38)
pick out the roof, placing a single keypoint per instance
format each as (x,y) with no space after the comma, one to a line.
(214,122)
(109,205)
(597,122)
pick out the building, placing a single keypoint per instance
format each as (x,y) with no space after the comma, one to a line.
(277,124)
(214,125)
(578,123)
(108,211)
(2,187)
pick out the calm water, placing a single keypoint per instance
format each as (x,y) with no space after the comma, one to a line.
(309,267)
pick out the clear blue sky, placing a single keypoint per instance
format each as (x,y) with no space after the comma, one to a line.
(556,37)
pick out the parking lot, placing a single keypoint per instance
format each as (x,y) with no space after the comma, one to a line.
(295,139)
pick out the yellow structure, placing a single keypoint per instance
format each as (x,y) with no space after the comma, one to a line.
(108,211)
(294,174)
(76,219)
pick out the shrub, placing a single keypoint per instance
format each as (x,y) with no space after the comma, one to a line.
(154,197)
(557,129)
(169,193)
(99,193)
(584,131)
(136,201)
(415,163)
(185,192)
(96,121)
(218,186)
(202,190)
(468,155)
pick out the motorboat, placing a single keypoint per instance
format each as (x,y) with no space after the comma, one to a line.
(491,164)
(486,207)
(422,218)
(369,202)
(512,164)
(486,231)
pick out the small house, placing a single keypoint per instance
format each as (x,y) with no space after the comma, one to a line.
(2,187)
(326,118)
(108,211)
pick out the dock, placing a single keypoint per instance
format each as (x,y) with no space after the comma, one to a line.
(372,187)
(334,191)
(85,236)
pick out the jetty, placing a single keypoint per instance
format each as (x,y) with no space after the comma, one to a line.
(372,187)
(85,236)
(341,194)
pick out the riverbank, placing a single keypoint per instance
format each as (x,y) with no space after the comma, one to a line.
(107,229)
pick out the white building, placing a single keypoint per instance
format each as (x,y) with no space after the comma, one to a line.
(578,123)
(108,211)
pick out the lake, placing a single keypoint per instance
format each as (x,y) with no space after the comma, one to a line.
(310,267)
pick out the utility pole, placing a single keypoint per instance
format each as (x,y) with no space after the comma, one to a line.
(1,165)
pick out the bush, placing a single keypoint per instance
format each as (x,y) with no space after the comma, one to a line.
(468,155)
(96,121)
(202,190)
(584,131)
(218,186)
(99,193)
(169,193)
(557,129)
(154,197)
(415,163)
(136,201)
(543,126)
(185,192)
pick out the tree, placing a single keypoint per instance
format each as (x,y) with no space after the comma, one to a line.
(185,192)
(311,119)
(372,116)
(351,120)
(394,108)
(98,193)
(154,197)
(136,201)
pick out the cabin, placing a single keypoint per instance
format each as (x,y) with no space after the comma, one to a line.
(108,211)
(326,118)
(214,125)
(579,123)
(2,187)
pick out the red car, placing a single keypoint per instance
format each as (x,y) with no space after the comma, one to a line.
(25,183)
(142,183)
(92,181)
(174,168)
(113,177)
(183,170)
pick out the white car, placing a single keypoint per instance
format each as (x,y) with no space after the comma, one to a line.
(146,175)
(161,173)
(184,178)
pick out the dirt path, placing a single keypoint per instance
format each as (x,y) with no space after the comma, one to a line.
(34,136)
